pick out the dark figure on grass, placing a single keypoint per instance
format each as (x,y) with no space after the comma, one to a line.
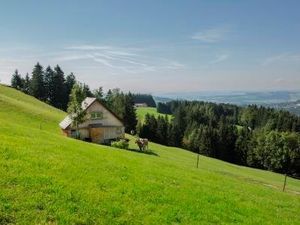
(142,143)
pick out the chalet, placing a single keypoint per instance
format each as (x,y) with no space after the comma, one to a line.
(101,125)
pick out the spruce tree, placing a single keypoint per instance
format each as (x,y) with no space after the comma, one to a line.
(98,93)
(87,91)
(59,91)
(49,88)
(26,88)
(129,115)
(37,85)
(69,83)
(16,81)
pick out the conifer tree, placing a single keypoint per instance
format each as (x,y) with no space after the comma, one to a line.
(129,115)
(16,81)
(37,85)
(58,89)
(69,83)
(49,85)
(26,88)
(98,93)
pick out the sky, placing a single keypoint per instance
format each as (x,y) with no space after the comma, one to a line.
(154,46)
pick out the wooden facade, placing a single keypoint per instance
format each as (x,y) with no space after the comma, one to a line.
(101,125)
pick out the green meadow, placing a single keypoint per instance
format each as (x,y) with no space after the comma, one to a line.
(46,178)
(142,111)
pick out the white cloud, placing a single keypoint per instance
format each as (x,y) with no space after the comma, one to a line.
(212,35)
(284,57)
(118,59)
(88,47)
(220,58)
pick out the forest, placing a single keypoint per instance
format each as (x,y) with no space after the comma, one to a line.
(252,136)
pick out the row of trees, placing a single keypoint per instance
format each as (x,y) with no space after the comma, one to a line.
(49,85)
(144,98)
(53,87)
(252,136)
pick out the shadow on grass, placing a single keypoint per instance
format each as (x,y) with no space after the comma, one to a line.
(148,152)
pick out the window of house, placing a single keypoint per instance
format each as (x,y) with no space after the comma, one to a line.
(96,115)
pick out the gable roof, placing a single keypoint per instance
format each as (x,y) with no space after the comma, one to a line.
(86,103)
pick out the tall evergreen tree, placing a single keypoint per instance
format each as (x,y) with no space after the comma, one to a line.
(59,90)
(26,88)
(87,91)
(69,83)
(37,85)
(109,98)
(129,115)
(99,94)
(17,81)
(49,85)
(162,129)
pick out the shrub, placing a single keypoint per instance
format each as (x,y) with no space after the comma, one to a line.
(123,144)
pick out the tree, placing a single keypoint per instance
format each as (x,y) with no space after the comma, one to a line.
(99,94)
(37,85)
(162,129)
(17,81)
(144,98)
(87,91)
(129,114)
(76,113)
(69,83)
(242,146)
(49,85)
(276,151)
(59,99)
(108,98)
(163,108)
(26,88)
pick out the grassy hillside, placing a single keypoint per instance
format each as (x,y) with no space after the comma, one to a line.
(50,179)
(142,111)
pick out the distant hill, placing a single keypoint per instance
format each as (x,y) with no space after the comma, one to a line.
(237,97)
(47,178)
(162,99)
(293,107)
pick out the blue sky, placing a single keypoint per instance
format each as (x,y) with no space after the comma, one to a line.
(157,46)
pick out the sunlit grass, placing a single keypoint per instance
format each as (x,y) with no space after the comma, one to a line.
(46,178)
(142,111)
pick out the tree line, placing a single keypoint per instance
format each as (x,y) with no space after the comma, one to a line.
(144,98)
(53,87)
(252,136)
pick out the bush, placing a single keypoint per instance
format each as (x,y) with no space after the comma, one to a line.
(123,144)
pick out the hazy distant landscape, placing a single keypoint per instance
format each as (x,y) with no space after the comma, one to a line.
(286,100)
(235,97)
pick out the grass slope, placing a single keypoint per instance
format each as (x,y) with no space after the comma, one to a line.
(142,111)
(46,178)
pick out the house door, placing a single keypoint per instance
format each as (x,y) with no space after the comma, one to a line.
(96,135)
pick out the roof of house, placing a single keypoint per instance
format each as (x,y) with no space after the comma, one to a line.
(87,102)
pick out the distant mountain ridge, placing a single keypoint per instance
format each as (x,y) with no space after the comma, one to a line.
(286,100)
(236,97)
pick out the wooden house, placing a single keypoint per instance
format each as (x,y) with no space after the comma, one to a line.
(101,124)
